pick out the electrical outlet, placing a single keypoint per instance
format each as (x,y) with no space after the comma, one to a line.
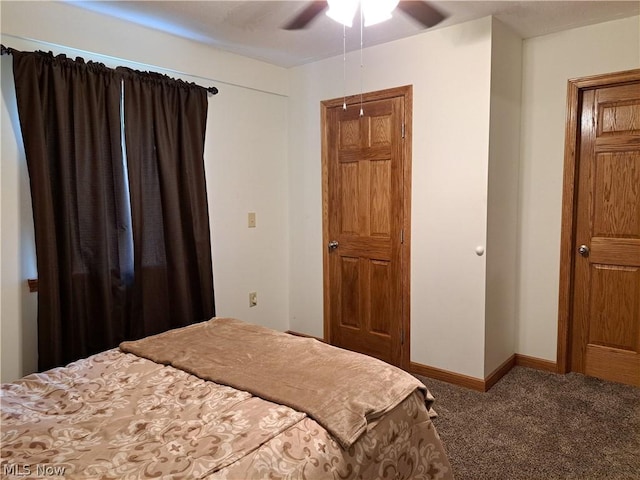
(253,299)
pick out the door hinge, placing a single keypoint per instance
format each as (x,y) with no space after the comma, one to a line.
(402,236)
(401,334)
(403,130)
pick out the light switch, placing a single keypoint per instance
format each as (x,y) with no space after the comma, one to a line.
(252,220)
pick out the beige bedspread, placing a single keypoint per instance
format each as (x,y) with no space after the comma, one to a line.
(343,391)
(119,416)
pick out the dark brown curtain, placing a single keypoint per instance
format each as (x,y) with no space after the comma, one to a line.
(70,118)
(165,124)
(121,252)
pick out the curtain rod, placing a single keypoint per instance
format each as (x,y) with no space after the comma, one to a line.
(8,51)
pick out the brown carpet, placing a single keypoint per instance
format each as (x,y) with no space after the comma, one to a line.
(536,425)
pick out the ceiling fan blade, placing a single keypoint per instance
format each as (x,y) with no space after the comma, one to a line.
(422,12)
(305,17)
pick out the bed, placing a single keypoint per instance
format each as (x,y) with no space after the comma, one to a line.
(221,399)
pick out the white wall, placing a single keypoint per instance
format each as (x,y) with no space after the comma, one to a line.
(548,62)
(245,160)
(63,24)
(247,171)
(502,219)
(17,248)
(450,72)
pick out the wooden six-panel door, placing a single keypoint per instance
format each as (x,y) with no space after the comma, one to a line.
(364,227)
(605,337)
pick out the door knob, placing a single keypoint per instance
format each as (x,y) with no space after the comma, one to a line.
(583,250)
(333,244)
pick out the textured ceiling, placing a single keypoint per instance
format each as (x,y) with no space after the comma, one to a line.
(253,28)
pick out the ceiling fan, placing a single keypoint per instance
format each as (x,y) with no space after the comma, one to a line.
(419,10)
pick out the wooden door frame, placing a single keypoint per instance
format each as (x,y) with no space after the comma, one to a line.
(354,101)
(575,90)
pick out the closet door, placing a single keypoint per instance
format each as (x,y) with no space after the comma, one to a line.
(364,225)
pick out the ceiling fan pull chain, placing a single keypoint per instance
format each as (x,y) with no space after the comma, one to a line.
(361,61)
(344,67)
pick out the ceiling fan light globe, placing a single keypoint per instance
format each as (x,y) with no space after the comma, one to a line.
(377,11)
(342,11)
(375,19)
